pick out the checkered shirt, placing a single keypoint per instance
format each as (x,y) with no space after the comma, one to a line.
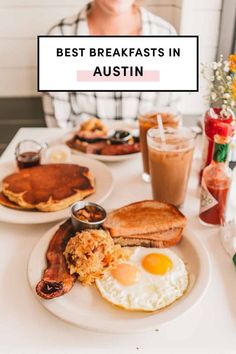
(67,109)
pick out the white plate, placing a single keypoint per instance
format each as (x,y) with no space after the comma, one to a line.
(104,186)
(112,125)
(84,307)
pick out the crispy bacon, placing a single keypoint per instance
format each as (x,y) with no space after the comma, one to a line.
(56,279)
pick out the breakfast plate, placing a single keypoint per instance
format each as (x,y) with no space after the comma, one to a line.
(112,126)
(83,306)
(104,186)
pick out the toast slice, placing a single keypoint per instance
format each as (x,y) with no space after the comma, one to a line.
(158,240)
(144,218)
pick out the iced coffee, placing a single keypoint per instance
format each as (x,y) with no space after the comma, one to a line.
(170,163)
(146,122)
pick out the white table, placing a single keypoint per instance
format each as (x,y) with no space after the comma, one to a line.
(25,327)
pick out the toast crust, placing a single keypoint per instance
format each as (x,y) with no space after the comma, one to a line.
(155,236)
(148,241)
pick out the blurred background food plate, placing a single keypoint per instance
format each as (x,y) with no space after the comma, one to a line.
(129,125)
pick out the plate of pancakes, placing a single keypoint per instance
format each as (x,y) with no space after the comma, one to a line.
(44,193)
(124,276)
(104,140)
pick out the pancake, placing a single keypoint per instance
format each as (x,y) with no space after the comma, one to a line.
(48,187)
(6,202)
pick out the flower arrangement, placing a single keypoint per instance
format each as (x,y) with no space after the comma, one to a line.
(222,78)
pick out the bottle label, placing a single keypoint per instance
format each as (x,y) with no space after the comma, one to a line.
(221,152)
(207,199)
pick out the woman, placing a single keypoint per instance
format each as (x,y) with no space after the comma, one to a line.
(105,17)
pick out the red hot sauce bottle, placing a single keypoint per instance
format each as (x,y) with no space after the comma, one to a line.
(216,181)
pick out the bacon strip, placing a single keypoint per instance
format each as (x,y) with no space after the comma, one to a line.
(56,279)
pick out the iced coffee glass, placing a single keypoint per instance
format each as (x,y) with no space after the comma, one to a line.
(170,163)
(147,121)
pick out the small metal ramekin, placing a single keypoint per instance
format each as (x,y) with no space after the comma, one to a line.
(81,224)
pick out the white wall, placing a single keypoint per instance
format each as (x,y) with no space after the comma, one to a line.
(22,20)
(201,17)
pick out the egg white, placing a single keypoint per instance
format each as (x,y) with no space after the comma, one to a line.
(151,292)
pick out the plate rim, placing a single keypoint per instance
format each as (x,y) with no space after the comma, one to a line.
(200,288)
(58,218)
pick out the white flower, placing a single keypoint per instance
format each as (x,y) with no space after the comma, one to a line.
(226,67)
(221,88)
(220,84)
(213,96)
(214,65)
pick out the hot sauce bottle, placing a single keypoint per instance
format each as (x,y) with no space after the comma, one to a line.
(212,126)
(216,181)
(214,123)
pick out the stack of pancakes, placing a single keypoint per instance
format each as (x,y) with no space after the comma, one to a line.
(48,187)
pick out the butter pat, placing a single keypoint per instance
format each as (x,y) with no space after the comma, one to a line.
(58,154)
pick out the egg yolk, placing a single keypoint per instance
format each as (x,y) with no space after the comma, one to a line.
(157,263)
(126,274)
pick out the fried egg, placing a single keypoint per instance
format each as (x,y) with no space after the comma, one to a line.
(148,281)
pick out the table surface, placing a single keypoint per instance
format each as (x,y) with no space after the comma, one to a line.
(26,327)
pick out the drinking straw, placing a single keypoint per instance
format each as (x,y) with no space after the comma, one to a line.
(161,129)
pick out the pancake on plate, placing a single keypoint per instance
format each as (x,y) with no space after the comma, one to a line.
(6,202)
(49,187)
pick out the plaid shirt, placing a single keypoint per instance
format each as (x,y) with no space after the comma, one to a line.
(66,109)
